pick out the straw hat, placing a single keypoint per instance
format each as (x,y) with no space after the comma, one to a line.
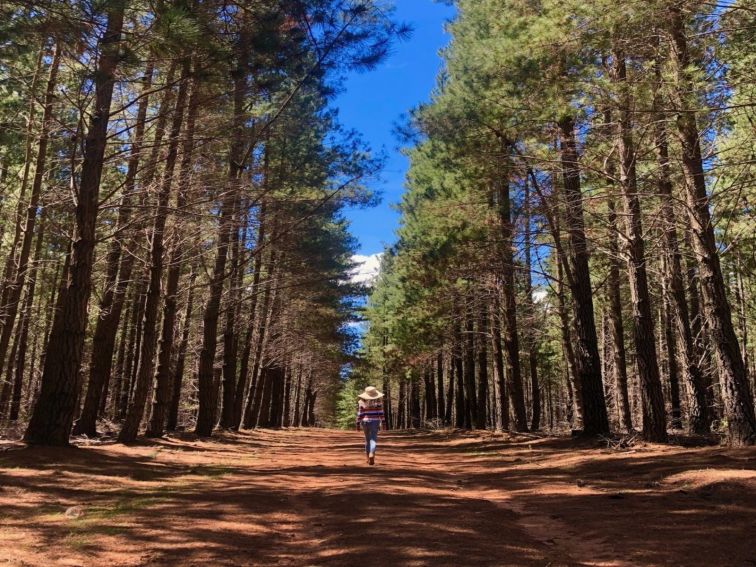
(370,393)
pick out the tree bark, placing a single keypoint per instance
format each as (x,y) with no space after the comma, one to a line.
(24,324)
(311,409)
(654,415)
(178,373)
(509,294)
(255,394)
(163,390)
(441,403)
(133,348)
(430,394)
(146,364)
(481,417)
(12,293)
(458,365)
(587,360)
(401,418)
(535,388)
(736,395)
(698,418)
(297,421)
(117,276)
(120,363)
(53,414)
(414,404)
(498,359)
(471,405)
(230,337)
(10,259)
(673,368)
(450,401)
(241,389)
(205,415)
(286,422)
(619,357)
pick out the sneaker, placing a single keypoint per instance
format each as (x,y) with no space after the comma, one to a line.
(371,459)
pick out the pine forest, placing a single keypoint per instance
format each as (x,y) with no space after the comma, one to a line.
(556,338)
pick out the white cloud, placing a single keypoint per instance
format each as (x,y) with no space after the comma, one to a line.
(367,268)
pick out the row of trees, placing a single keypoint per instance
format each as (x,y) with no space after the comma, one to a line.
(171,186)
(577,237)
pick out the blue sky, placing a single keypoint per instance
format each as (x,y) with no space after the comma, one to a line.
(374,102)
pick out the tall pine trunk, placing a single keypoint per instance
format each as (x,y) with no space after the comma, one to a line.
(671,347)
(535,388)
(117,276)
(458,372)
(482,366)
(616,327)
(654,415)
(54,411)
(10,259)
(24,325)
(12,293)
(698,414)
(736,395)
(587,360)
(230,335)
(146,364)
(441,407)
(163,390)
(614,297)
(511,338)
(471,405)
(178,371)
(206,412)
(255,390)
(498,359)
(241,389)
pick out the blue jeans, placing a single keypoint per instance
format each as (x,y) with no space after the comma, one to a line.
(371,435)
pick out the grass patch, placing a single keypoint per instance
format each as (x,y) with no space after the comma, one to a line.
(124,506)
(211,471)
(78,541)
(48,512)
(83,535)
(121,508)
(479,453)
(491,454)
(103,520)
(154,454)
(482,450)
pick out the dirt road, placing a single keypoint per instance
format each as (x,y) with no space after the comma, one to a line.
(307,498)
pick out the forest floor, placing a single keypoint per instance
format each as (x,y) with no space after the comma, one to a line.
(306,497)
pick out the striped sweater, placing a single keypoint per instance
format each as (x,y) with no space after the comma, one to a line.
(370,410)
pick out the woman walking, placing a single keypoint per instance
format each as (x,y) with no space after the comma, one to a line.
(369,417)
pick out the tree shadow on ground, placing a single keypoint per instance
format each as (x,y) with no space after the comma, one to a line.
(305,497)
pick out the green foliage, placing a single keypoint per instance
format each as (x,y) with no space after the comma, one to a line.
(512,70)
(270,169)
(346,404)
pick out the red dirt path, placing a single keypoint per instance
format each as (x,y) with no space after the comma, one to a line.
(307,498)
